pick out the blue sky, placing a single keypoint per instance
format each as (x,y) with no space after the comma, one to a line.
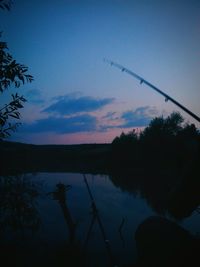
(76,97)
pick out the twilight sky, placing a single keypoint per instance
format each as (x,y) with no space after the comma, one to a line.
(76,97)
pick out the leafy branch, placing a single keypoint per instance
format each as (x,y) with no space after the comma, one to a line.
(6,5)
(10,110)
(11,74)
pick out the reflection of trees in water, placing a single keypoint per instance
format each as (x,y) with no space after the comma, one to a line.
(168,191)
(69,254)
(96,217)
(18,203)
(185,198)
(74,253)
(60,195)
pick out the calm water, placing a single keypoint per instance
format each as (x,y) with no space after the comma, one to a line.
(44,225)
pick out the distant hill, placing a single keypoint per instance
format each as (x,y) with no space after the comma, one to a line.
(18,157)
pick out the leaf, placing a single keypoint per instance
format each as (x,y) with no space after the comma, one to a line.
(14,116)
(18,105)
(21,78)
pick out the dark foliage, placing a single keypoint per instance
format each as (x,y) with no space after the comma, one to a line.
(5,4)
(10,111)
(166,141)
(125,148)
(11,74)
(17,203)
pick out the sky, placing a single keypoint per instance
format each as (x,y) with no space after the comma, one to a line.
(76,97)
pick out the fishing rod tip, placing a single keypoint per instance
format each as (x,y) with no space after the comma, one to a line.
(108,61)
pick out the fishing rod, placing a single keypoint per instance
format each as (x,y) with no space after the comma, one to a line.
(142,80)
(96,216)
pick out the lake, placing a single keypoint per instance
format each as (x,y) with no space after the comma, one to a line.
(50,219)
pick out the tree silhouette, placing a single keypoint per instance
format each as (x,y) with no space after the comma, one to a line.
(164,142)
(160,128)
(169,140)
(18,209)
(5,4)
(11,74)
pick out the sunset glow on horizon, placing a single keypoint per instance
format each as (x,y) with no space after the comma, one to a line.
(77,98)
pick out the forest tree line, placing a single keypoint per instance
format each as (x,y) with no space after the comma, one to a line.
(165,141)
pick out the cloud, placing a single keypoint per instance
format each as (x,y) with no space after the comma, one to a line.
(72,104)
(138,117)
(110,116)
(89,123)
(75,124)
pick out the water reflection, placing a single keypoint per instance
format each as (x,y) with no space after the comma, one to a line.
(18,210)
(96,217)
(60,195)
(167,193)
(70,253)
(19,216)
(83,221)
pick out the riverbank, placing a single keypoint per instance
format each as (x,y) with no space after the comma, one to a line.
(20,157)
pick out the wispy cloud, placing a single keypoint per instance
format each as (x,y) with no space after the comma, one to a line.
(138,117)
(75,124)
(86,122)
(72,104)
(110,115)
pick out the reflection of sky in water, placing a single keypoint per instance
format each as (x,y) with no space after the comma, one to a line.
(113,205)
